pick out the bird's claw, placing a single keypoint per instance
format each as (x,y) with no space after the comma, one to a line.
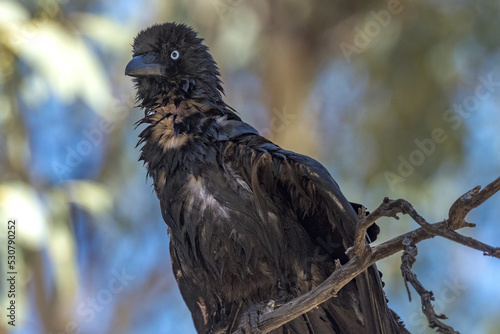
(249,323)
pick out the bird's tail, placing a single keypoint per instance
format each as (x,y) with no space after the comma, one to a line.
(378,317)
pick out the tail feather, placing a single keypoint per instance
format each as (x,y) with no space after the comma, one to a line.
(378,318)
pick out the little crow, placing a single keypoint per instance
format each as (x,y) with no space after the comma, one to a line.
(251,225)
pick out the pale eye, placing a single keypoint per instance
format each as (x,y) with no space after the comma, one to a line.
(174,55)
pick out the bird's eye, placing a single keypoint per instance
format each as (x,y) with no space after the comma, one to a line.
(174,55)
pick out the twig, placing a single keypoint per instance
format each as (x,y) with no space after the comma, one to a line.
(447,231)
(386,209)
(407,260)
(470,200)
(369,255)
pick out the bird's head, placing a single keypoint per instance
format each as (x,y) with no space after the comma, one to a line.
(170,64)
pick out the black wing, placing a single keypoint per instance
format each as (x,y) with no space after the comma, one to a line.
(278,177)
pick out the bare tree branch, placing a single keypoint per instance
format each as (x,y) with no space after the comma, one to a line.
(470,200)
(365,256)
(408,258)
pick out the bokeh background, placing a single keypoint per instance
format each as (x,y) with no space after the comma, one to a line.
(396,98)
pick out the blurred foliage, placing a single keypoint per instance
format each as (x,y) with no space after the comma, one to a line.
(360,85)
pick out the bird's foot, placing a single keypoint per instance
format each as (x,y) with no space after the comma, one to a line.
(249,323)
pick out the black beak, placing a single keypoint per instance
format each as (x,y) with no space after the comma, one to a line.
(145,65)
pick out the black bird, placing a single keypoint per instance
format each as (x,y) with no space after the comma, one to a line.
(249,222)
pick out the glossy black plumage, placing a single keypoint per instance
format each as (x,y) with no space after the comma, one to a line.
(248,221)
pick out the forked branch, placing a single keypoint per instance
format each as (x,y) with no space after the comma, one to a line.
(364,256)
